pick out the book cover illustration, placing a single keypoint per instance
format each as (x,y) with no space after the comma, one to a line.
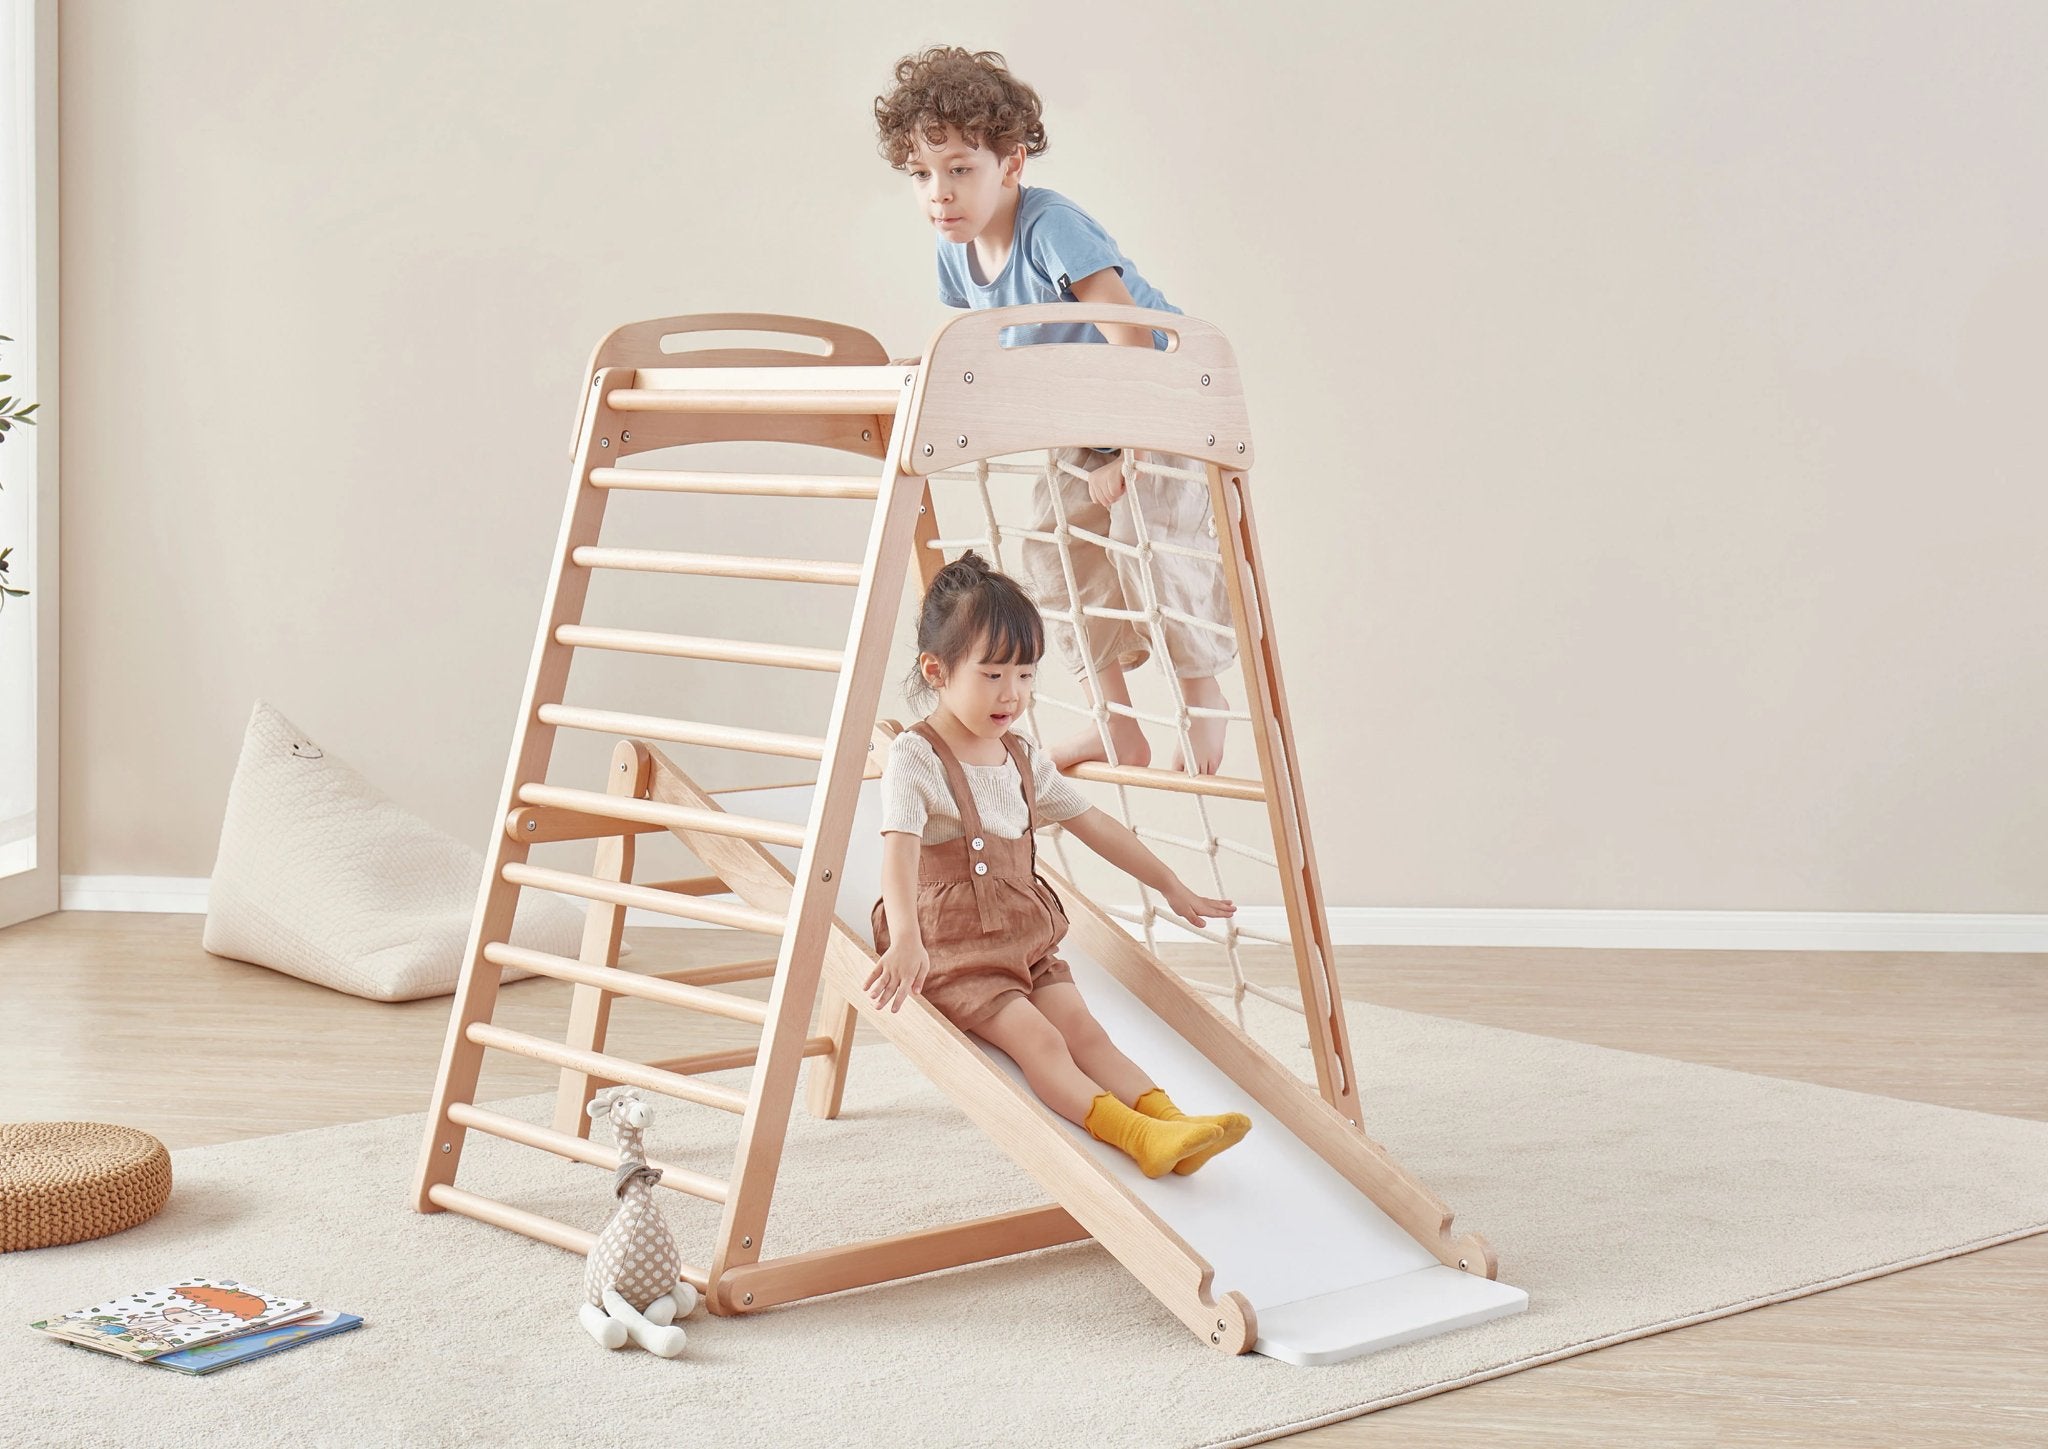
(243,1347)
(180,1315)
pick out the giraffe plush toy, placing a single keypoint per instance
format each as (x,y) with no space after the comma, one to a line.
(631,1281)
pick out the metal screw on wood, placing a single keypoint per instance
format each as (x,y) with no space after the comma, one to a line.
(1461,1265)
(927,450)
(867,435)
(1212,440)
(533,825)
(828,875)
(445,1147)
(622,764)
(1240,447)
(1205,379)
(906,379)
(746,1242)
(604,442)
(961,440)
(746,1298)
(625,437)
(1215,1338)
(967,377)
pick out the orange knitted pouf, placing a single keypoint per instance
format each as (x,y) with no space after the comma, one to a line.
(65,1182)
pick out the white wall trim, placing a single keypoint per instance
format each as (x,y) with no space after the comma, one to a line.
(1423,925)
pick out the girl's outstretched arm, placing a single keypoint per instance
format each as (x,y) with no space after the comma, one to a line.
(1111,839)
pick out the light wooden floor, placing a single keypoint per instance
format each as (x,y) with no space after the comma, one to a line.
(125,1018)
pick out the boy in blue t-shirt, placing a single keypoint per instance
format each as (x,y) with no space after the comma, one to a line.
(961,126)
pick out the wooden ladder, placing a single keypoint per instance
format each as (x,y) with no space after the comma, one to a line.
(638,398)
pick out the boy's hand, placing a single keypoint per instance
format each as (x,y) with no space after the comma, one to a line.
(1195,909)
(1106,484)
(900,973)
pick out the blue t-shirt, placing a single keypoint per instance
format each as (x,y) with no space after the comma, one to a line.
(1056,244)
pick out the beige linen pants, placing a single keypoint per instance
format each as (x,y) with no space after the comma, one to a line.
(1175,511)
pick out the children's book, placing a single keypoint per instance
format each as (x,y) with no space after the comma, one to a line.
(243,1347)
(146,1326)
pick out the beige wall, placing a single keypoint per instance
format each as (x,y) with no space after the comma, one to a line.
(1648,395)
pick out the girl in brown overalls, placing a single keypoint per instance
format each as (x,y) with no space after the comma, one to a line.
(964,917)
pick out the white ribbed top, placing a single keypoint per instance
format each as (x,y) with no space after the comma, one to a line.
(916,800)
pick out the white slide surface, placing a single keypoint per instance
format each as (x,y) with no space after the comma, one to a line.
(1329,1275)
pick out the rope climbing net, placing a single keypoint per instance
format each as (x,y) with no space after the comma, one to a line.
(1140,553)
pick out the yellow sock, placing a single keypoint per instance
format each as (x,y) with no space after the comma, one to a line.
(1156,1104)
(1155,1146)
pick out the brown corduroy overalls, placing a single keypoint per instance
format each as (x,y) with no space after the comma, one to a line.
(989,922)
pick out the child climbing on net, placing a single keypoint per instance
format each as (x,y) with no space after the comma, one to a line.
(961,125)
(965,919)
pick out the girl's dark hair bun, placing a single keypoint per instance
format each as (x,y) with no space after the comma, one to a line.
(963,572)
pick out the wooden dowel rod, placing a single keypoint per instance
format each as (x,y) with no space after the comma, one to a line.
(536,824)
(504,1215)
(578,1149)
(629,983)
(654,812)
(683,731)
(864,402)
(718,565)
(533,1225)
(1227,787)
(621,893)
(683,646)
(740,485)
(612,1069)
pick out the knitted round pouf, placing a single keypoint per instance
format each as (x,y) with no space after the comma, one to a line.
(64,1182)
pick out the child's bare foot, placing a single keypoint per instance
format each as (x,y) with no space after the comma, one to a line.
(1131,746)
(1205,733)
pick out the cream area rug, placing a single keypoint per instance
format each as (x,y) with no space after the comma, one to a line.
(1628,1194)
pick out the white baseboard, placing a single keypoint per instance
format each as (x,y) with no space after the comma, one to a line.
(182,895)
(1421,925)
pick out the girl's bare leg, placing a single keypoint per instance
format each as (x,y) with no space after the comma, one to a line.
(1131,747)
(1089,1045)
(1206,733)
(1037,1046)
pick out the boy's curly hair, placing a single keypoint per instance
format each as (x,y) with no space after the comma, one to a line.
(971,91)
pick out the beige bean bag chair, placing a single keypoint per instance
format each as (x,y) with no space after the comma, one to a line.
(321,876)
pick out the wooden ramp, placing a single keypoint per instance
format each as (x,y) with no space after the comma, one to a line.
(1318,1232)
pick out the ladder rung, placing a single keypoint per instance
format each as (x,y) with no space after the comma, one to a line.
(684,646)
(612,1069)
(629,983)
(718,565)
(683,731)
(541,1229)
(814,1046)
(1228,787)
(655,812)
(739,485)
(622,893)
(861,401)
(547,1139)
(504,1215)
